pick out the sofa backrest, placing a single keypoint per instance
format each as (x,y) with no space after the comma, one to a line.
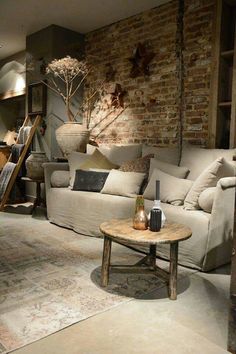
(197,159)
(166,154)
(118,154)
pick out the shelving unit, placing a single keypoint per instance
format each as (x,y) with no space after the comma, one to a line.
(223,84)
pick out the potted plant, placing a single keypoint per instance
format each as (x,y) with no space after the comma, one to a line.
(65,78)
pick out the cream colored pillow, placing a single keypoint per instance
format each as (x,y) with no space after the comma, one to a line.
(126,184)
(118,154)
(206,199)
(75,159)
(208,178)
(60,179)
(173,170)
(97,160)
(173,190)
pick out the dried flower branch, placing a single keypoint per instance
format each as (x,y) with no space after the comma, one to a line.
(66,76)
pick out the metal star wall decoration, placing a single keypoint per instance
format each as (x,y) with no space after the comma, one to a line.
(140,61)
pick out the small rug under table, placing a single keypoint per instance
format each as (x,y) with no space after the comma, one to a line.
(50,279)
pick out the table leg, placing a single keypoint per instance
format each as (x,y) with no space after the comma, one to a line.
(152,255)
(106,261)
(37,200)
(173,271)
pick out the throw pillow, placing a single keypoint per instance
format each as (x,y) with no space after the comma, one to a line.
(118,154)
(208,178)
(60,179)
(97,160)
(173,190)
(206,199)
(173,170)
(91,181)
(75,159)
(141,165)
(126,184)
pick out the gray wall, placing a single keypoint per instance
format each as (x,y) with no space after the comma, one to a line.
(53,42)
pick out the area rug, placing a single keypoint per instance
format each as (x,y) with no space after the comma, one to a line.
(50,279)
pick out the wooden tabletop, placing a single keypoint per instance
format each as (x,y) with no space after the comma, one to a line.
(122,229)
(32,180)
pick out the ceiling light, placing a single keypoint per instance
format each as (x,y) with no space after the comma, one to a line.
(1,45)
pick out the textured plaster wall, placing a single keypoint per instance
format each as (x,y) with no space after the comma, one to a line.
(12,78)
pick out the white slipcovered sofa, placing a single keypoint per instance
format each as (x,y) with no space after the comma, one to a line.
(211,242)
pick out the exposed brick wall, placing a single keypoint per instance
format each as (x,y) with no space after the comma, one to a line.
(197,59)
(152,116)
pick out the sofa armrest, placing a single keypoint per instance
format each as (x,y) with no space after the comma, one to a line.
(227,182)
(221,223)
(49,168)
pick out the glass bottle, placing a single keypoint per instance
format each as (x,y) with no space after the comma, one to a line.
(140,220)
(156,216)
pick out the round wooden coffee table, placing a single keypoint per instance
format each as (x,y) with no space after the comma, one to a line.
(121,230)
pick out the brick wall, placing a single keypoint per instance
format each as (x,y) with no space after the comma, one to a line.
(152,114)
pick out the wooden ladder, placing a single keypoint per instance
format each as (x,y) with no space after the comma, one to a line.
(20,161)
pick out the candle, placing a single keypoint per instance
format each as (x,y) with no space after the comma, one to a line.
(157,189)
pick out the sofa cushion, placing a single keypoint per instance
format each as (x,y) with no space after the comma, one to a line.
(91,181)
(126,184)
(75,159)
(197,159)
(172,190)
(60,179)
(173,170)
(118,154)
(97,160)
(141,165)
(206,199)
(208,178)
(170,155)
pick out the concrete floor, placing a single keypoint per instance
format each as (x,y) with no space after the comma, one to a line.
(196,323)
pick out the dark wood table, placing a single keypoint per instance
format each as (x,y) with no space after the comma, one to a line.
(38,200)
(121,230)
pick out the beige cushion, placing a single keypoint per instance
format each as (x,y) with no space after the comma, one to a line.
(118,154)
(173,190)
(97,161)
(60,179)
(75,159)
(206,199)
(173,170)
(170,155)
(126,184)
(141,165)
(208,178)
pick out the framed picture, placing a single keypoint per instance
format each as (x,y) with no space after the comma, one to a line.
(37,99)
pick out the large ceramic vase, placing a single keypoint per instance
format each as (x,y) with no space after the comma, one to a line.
(72,136)
(34,165)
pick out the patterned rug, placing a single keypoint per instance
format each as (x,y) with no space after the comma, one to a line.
(50,279)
